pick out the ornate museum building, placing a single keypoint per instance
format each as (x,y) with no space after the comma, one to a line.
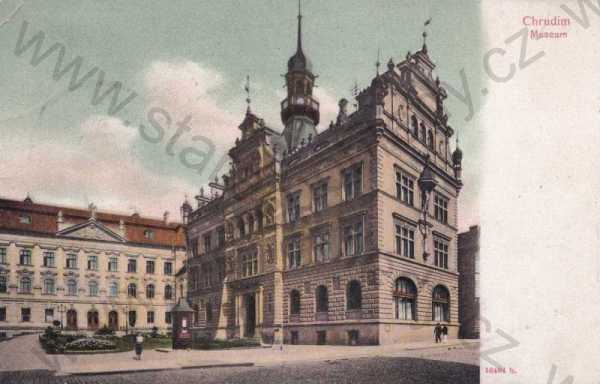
(85,269)
(345,234)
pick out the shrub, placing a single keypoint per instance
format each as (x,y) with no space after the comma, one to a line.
(56,323)
(105,331)
(154,332)
(50,333)
(90,344)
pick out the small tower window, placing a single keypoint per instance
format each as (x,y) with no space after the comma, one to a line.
(430,140)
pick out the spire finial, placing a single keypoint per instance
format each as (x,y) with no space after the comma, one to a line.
(378,62)
(427,22)
(299,46)
(457,138)
(247,89)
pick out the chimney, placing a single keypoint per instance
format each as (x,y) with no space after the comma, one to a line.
(166,217)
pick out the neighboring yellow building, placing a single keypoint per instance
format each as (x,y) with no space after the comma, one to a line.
(86,269)
(343,236)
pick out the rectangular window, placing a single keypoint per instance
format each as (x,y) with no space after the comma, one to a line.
(49,259)
(168,268)
(321,247)
(150,266)
(440,206)
(71,261)
(440,253)
(294,253)
(220,237)
(405,187)
(405,240)
(353,239)
(352,182)
(25,256)
(206,275)
(320,197)
(113,264)
(92,263)
(207,242)
(131,266)
(168,317)
(49,287)
(25,314)
(49,315)
(249,264)
(3,259)
(150,317)
(2,314)
(293,207)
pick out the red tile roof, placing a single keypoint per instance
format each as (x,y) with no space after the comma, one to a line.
(44,221)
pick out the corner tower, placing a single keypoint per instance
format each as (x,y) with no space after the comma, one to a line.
(299,110)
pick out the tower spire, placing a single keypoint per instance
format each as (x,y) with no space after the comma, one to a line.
(247,89)
(299,45)
(378,62)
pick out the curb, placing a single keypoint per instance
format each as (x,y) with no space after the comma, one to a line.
(224,365)
(141,370)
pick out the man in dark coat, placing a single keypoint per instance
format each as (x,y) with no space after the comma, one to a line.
(437,332)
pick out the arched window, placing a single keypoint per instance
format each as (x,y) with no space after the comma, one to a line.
(3,288)
(113,289)
(440,304)
(269,215)
(405,297)
(168,292)
(422,133)
(250,223)
(25,285)
(353,296)
(294,302)
(71,288)
(150,291)
(322,299)
(49,286)
(93,288)
(241,227)
(430,140)
(92,319)
(131,290)
(415,125)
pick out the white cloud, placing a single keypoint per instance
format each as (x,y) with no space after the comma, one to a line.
(102,168)
(185,88)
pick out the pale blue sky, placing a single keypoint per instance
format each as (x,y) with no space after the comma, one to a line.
(157,49)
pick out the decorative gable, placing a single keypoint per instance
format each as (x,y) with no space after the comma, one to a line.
(91,230)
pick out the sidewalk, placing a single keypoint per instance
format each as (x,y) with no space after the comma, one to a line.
(182,359)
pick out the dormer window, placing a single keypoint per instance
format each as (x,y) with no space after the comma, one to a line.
(24,219)
(149,234)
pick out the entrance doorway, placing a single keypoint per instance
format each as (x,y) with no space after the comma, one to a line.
(250,318)
(113,320)
(92,320)
(71,319)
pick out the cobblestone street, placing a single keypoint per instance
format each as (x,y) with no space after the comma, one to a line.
(431,366)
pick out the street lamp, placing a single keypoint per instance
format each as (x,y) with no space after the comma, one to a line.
(61,309)
(126,311)
(426,184)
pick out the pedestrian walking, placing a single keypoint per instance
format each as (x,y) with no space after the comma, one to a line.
(437,332)
(139,341)
(444,333)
